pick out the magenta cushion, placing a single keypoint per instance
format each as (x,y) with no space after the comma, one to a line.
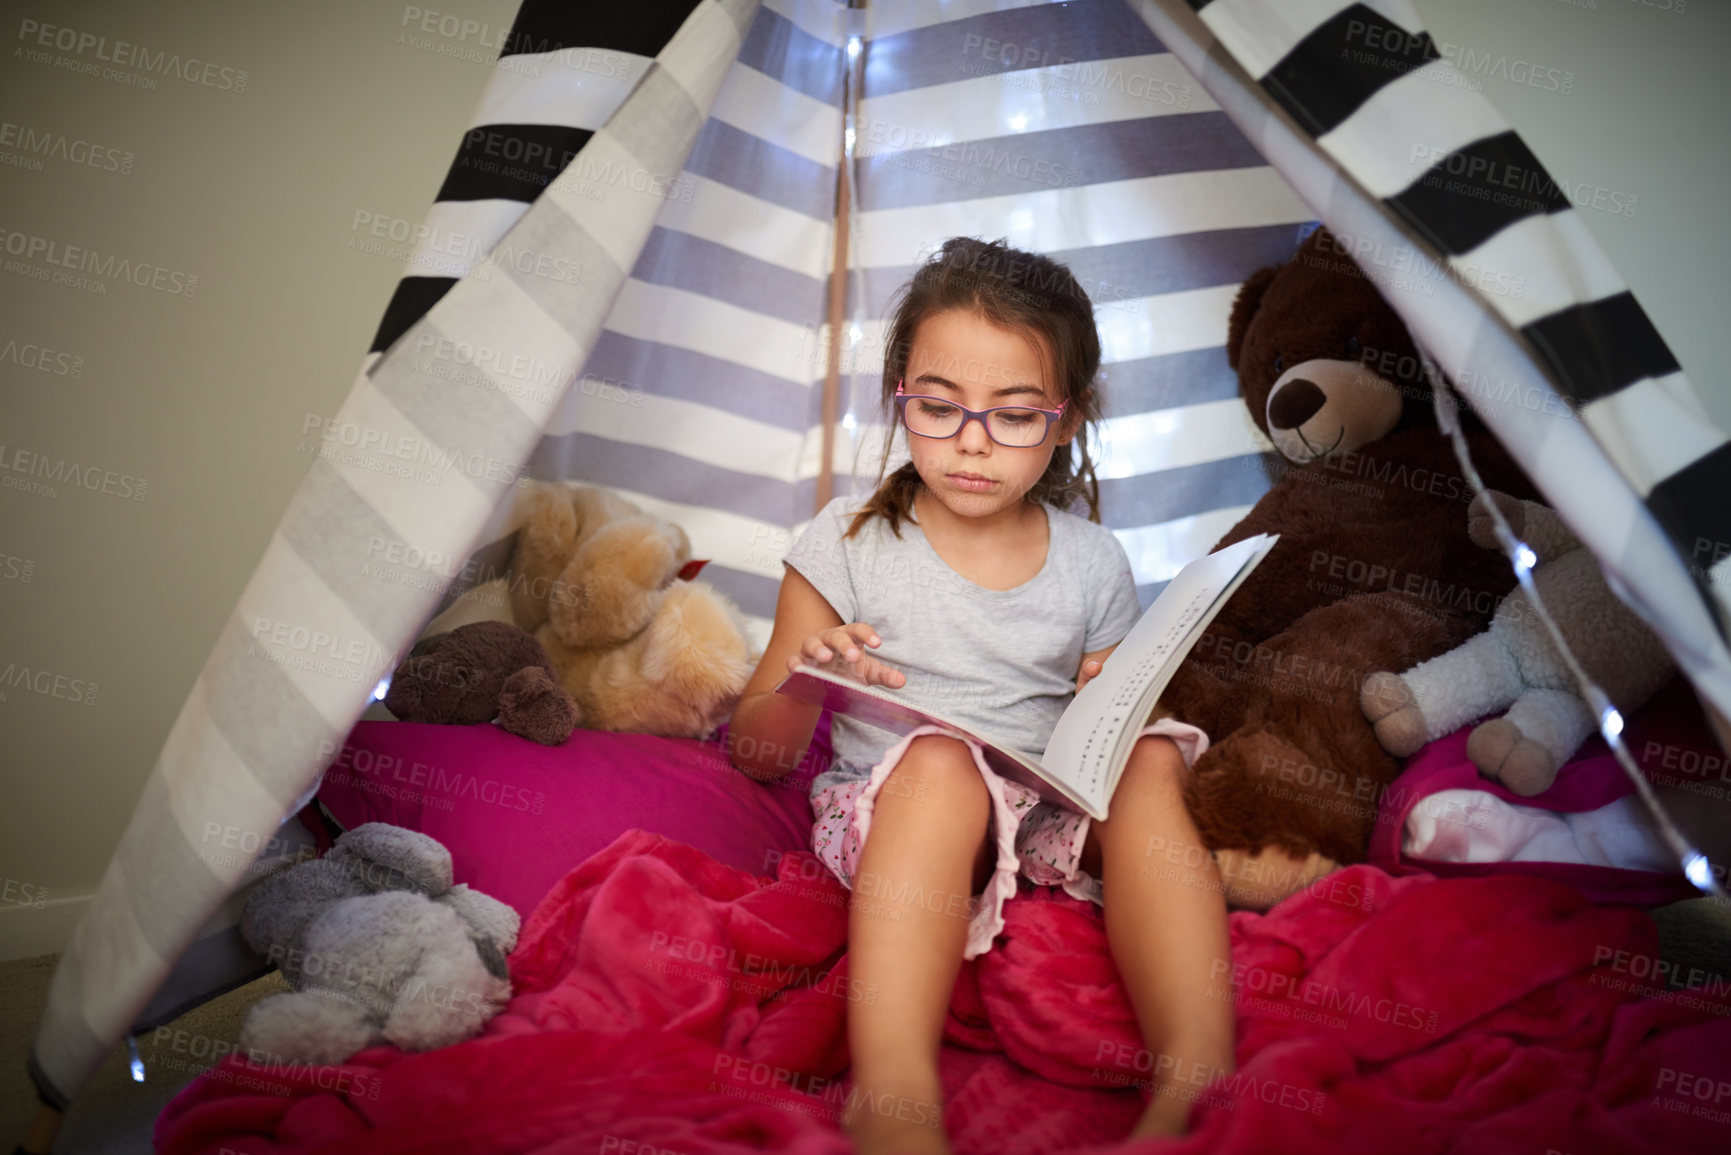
(1670,730)
(517,816)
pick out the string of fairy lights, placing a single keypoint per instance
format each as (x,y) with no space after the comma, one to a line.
(1694,863)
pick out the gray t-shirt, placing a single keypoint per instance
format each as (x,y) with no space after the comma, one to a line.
(1002,661)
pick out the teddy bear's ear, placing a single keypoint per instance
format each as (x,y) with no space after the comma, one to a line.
(1244,307)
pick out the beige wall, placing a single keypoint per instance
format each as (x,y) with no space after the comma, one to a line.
(202,396)
(255,193)
(1645,128)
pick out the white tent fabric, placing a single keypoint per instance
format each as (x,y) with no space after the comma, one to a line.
(664,345)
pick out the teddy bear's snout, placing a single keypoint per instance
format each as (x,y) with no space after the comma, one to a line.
(1325,406)
(1294,403)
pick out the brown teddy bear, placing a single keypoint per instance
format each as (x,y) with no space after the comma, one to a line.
(1373,571)
(1514,665)
(476,672)
(610,594)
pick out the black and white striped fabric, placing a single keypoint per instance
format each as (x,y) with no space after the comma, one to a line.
(1373,90)
(435,453)
(562,71)
(1401,158)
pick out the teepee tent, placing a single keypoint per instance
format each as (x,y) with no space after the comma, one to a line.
(636,276)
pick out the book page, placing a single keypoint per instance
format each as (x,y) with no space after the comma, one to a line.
(872,705)
(884,709)
(1092,740)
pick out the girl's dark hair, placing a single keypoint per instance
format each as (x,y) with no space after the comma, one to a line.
(1015,290)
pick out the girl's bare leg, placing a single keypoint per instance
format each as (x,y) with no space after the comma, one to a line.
(1165,915)
(907,926)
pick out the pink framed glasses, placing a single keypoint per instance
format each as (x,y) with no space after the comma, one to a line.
(1013,426)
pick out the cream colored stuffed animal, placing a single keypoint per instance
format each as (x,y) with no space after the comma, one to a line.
(598,583)
(1514,666)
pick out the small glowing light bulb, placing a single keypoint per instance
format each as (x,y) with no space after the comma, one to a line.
(852,47)
(1700,872)
(1525,558)
(381,689)
(1611,722)
(137,1063)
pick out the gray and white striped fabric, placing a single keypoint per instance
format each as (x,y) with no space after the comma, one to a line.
(1400,158)
(1070,130)
(435,454)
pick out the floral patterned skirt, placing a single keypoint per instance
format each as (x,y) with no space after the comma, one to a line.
(1036,839)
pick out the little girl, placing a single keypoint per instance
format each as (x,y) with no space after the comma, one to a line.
(984,599)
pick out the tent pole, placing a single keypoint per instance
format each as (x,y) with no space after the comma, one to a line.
(832,347)
(838,270)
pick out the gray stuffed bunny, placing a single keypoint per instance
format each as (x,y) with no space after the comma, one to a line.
(379,948)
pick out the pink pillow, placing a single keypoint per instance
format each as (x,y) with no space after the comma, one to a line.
(1670,730)
(517,816)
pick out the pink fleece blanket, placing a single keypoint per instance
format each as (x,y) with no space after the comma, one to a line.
(668,1003)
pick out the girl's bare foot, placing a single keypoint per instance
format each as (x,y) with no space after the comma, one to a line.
(899,1119)
(1168,1113)
(1194,1079)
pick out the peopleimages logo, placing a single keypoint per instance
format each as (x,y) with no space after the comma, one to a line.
(120,52)
(19,468)
(369,448)
(59,145)
(47,683)
(28,355)
(30,247)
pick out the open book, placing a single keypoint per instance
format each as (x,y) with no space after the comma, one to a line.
(1091,743)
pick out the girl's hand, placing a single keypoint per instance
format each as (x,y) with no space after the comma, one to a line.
(1092,664)
(1090,670)
(845,642)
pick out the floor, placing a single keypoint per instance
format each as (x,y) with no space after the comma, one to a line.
(114,1115)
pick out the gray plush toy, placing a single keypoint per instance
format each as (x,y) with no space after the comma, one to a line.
(379,948)
(1514,666)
